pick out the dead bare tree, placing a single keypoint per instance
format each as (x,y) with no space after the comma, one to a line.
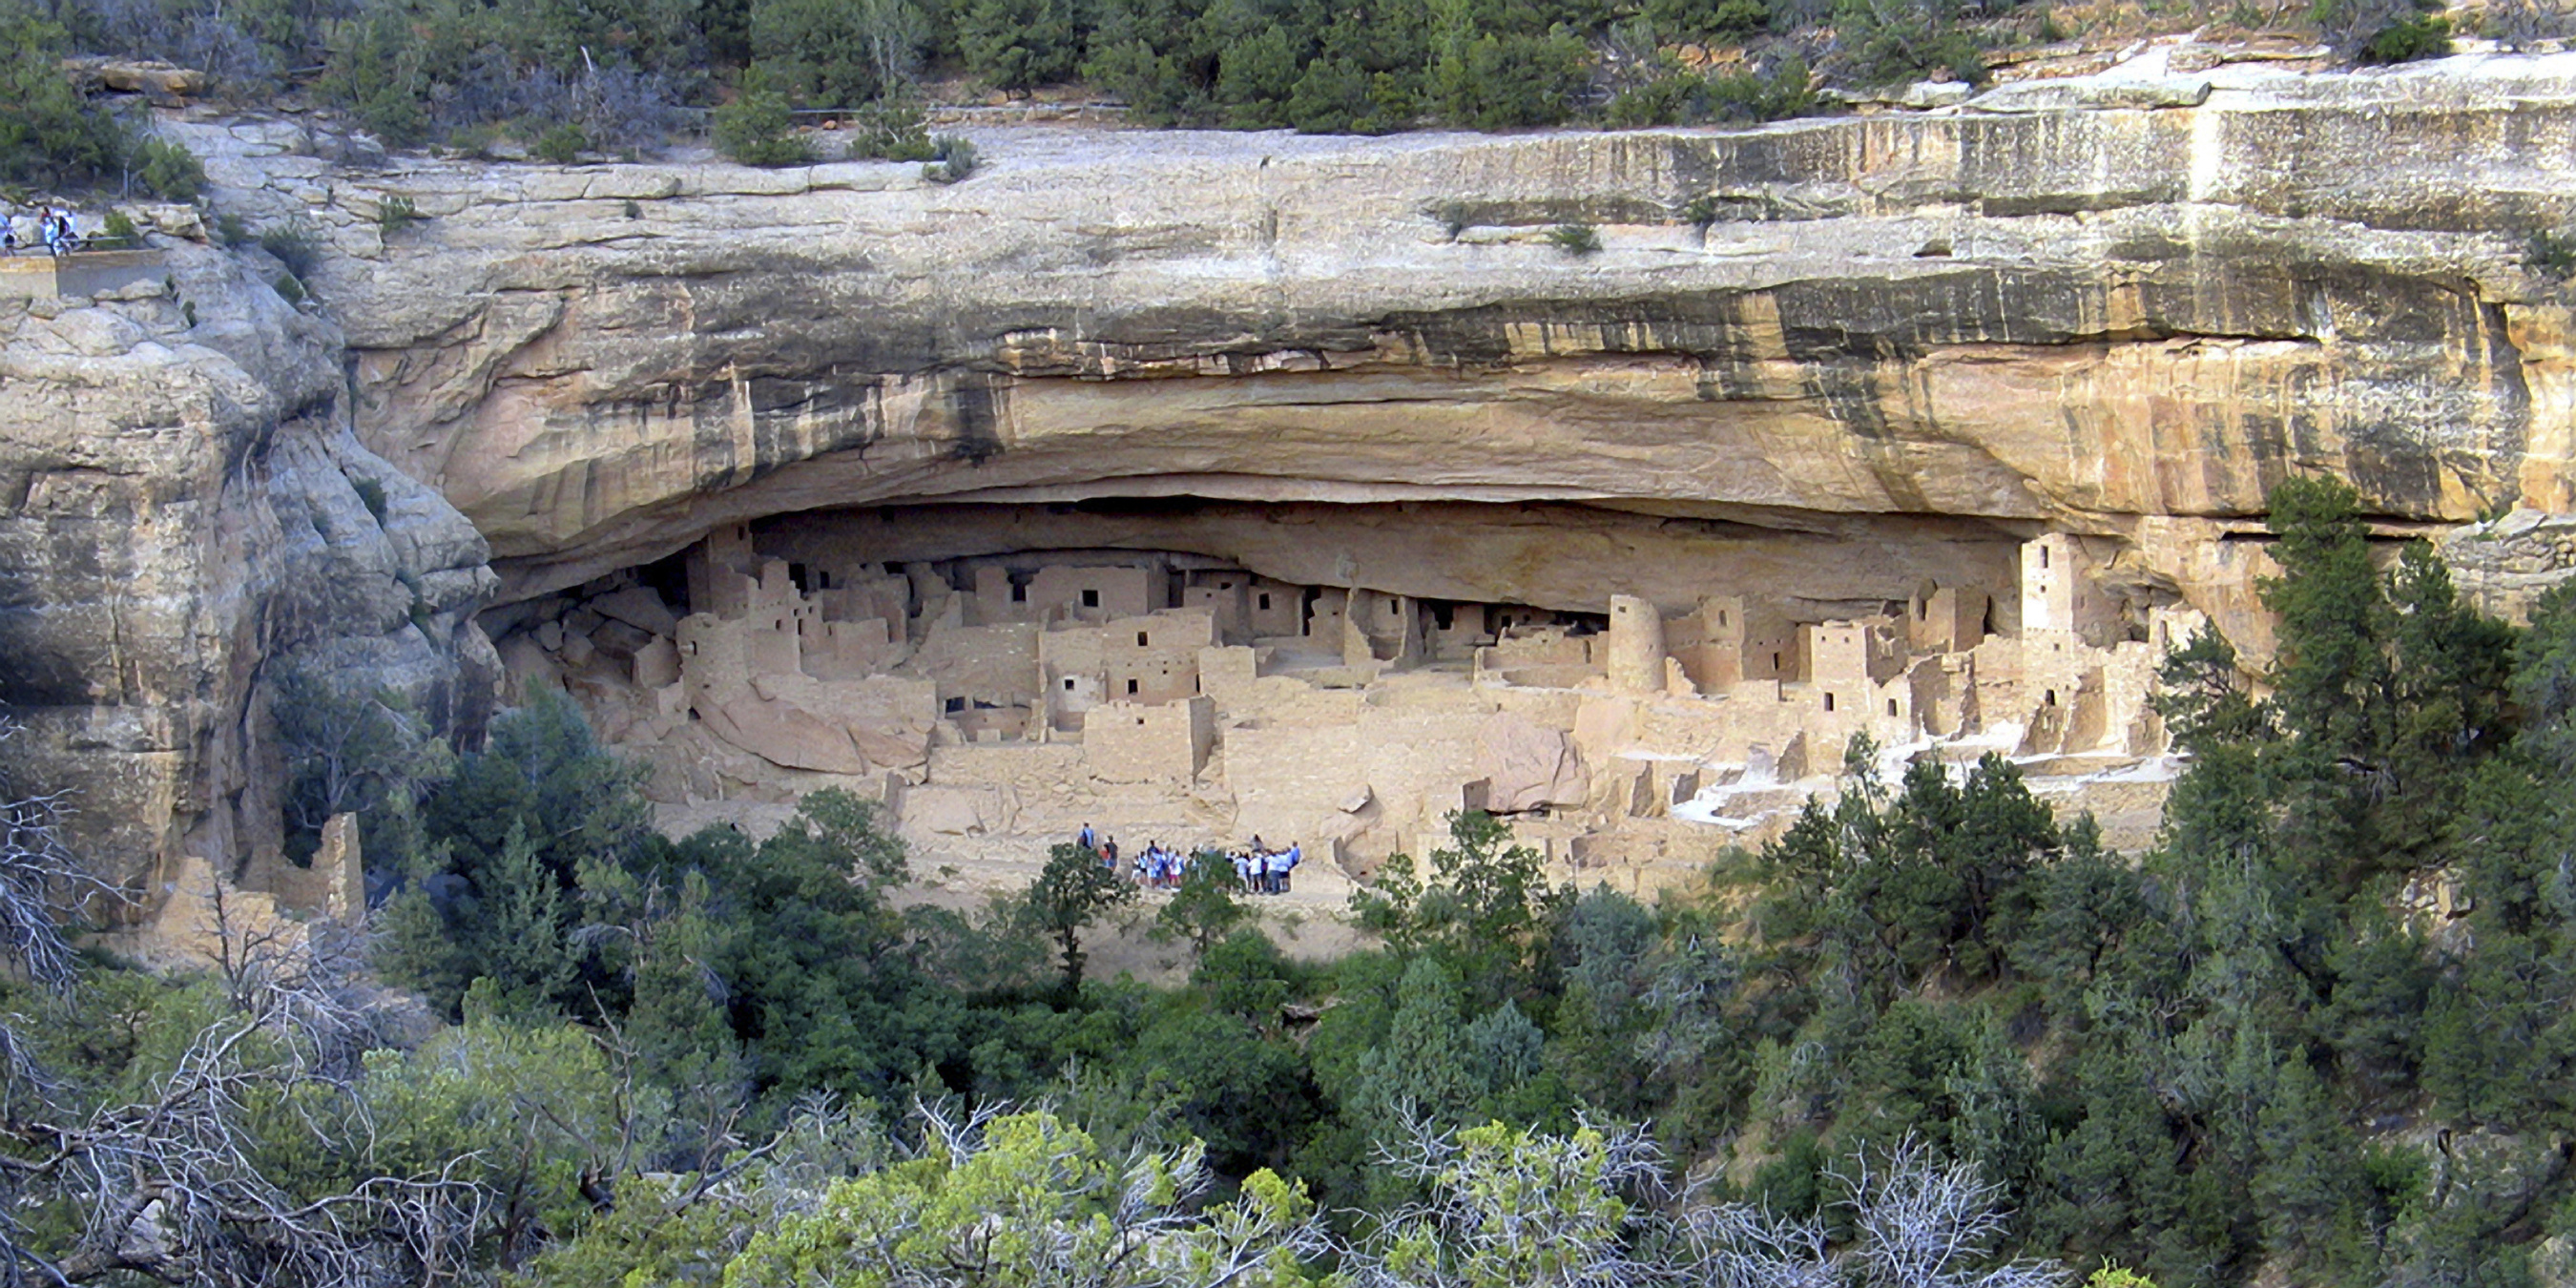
(174,1183)
(1597,1209)
(1920,1222)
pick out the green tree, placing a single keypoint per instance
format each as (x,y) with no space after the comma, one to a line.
(1485,911)
(49,134)
(1071,894)
(754,129)
(1020,44)
(1204,909)
(1031,1199)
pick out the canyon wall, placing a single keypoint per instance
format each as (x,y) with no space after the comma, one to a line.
(2050,313)
(189,516)
(1824,364)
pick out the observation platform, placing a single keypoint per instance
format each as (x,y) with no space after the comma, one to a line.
(27,276)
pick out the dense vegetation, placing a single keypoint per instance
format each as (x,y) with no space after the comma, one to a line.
(566,79)
(2254,1052)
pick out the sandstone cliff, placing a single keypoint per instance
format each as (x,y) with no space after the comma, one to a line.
(1826,362)
(2053,307)
(188,512)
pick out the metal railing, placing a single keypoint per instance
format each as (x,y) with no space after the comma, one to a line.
(77,246)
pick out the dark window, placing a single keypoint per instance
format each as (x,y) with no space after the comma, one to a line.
(1265,603)
(1891,706)
(2048,696)
(1091,599)
(957,704)
(1140,639)
(2043,556)
(1019,593)
(1131,689)
(1775,661)
(1829,702)
(796,576)
(1068,684)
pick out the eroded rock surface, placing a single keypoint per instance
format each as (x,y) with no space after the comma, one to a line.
(188,514)
(2084,314)
(1897,349)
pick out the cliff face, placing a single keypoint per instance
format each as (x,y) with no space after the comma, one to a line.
(185,518)
(1823,363)
(2120,320)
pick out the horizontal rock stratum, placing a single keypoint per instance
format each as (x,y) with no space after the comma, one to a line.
(2117,320)
(1823,362)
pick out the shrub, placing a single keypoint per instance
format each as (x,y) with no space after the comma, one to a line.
(754,130)
(1702,211)
(395,213)
(892,129)
(231,231)
(168,171)
(1895,41)
(371,494)
(956,159)
(2551,252)
(2407,39)
(49,133)
(295,246)
(289,288)
(1575,239)
(119,230)
(561,145)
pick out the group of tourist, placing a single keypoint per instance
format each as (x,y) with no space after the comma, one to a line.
(1258,869)
(53,226)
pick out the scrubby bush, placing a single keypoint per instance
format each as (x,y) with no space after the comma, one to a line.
(892,129)
(561,145)
(953,159)
(395,212)
(754,129)
(119,232)
(2407,39)
(49,134)
(1575,239)
(1892,42)
(1776,91)
(2551,252)
(295,245)
(168,170)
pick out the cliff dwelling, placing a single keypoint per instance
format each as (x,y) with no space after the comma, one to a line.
(1197,672)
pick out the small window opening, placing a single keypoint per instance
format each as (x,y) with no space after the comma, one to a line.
(1392,608)
(1140,639)
(1068,684)
(1721,617)
(1019,593)
(1829,702)
(956,704)
(1775,661)
(1265,603)
(1891,706)
(796,577)
(1131,688)
(1091,599)
(2043,556)
(2048,697)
